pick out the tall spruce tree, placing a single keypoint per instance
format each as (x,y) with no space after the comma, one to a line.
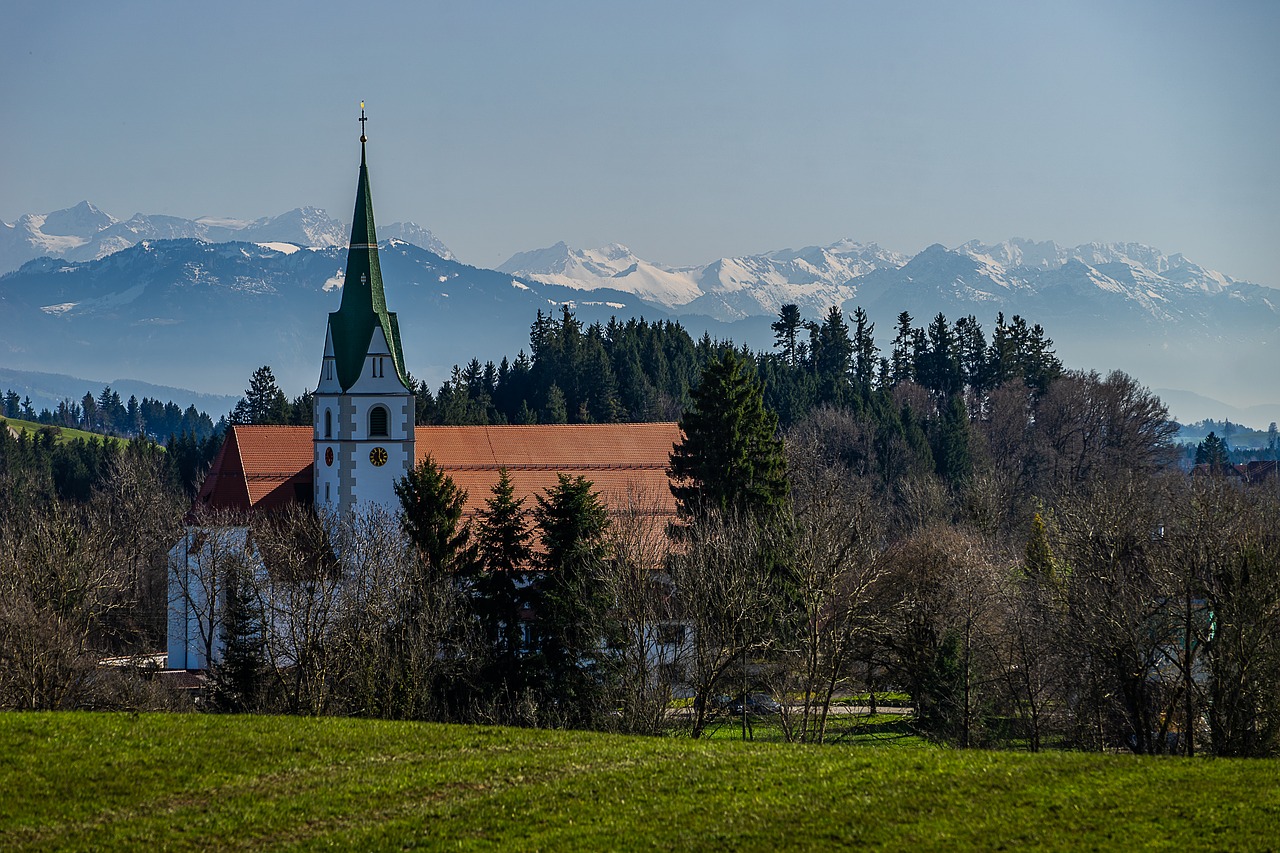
(238,677)
(502,543)
(263,401)
(730,459)
(569,600)
(866,355)
(786,333)
(431,512)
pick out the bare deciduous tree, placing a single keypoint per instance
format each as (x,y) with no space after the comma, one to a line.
(646,640)
(724,594)
(834,532)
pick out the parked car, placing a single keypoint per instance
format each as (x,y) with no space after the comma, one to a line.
(756,704)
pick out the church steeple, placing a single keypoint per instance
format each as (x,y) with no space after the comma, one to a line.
(364,304)
(364,413)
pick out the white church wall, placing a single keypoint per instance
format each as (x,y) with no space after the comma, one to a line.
(200,567)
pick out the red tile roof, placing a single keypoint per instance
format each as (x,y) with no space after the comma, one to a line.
(265,467)
(259,467)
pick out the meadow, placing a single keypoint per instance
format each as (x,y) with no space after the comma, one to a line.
(197,782)
(62,434)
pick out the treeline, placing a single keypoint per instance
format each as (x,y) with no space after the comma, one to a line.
(39,469)
(108,414)
(1072,590)
(956,517)
(639,371)
(83,569)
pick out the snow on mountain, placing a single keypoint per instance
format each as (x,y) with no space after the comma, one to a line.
(306,226)
(727,289)
(209,313)
(85,233)
(84,220)
(415,234)
(165,309)
(1148,263)
(613,266)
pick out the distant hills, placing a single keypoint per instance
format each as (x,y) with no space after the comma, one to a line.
(201,303)
(46,390)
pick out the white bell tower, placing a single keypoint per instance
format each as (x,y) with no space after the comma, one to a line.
(364,407)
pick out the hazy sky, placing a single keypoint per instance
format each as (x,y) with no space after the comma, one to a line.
(687,130)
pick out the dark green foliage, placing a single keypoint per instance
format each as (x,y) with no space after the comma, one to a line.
(866,355)
(430,513)
(108,415)
(263,401)
(831,352)
(238,679)
(1214,452)
(190,458)
(786,334)
(633,371)
(951,446)
(730,458)
(568,598)
(498,593)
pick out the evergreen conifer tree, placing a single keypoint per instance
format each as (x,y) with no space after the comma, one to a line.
(237,679)
(568,599)
(503,550)
(730,459)
(786,333)
(431,512)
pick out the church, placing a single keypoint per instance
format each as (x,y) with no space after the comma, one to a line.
(363,439)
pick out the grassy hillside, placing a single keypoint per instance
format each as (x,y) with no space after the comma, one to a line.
(65,434)
(116,781)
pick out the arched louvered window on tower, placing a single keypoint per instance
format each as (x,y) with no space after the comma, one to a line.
(378,422)
(328,423)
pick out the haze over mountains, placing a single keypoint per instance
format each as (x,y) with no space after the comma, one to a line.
(200,303)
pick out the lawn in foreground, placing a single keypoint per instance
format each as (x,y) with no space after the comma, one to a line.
(119,781)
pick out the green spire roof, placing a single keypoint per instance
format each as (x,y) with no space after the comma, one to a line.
(364,305)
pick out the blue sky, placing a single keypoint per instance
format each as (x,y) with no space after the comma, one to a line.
(688,131)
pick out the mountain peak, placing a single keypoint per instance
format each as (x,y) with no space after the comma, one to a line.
(84,220)
(86,233)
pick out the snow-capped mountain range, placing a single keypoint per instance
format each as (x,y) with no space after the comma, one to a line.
(159,296)
(85,233)
(727,289)
(1005,275)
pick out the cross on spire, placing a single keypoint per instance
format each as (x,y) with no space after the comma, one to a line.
(363,138)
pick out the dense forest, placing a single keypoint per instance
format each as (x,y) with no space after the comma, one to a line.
(957,517)
(107,414)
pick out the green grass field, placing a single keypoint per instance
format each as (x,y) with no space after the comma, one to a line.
(191,782)
(65,434)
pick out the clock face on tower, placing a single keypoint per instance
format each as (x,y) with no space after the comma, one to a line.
(378,456)
(328,456)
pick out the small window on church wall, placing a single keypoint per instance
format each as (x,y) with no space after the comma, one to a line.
(378,421)
(328,423)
